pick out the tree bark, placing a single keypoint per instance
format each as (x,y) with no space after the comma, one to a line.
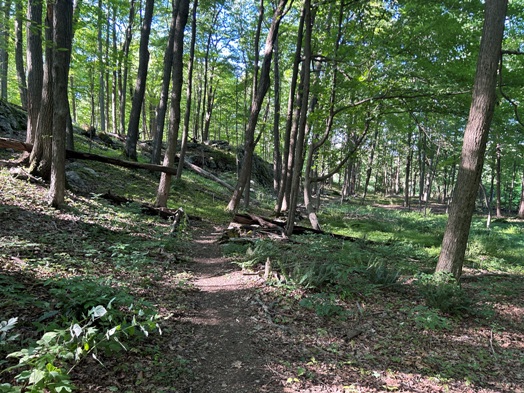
(498,187)
(124,64)
(250,143)
(19,54)
(302,123)
(277,156)
(62,37)
(164,91)
(35,67)
(189,92)
(101,69)
(40,160)
(290,132)
(4,47)
(520,213)
(483,103)
(140,86)
(176,95)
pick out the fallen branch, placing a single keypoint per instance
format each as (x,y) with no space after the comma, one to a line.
(22,146)
(146,208)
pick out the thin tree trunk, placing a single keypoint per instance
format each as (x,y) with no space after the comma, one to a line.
(290,136)
(19,54)
(369,168)
(189,92)
(35,67)
(498,170)
(408,171)
(4,47)
(114,86)
(40,160)
(277,156)
(125,66)
(140,86)
(520,213)
(512,187)
(101,69)
(299,147)
(62,36)
(250,143)
(176,95)
(483,103)
(164,91)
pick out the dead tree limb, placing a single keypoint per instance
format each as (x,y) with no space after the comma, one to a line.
(21,146)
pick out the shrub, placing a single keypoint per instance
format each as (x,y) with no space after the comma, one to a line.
(442,291)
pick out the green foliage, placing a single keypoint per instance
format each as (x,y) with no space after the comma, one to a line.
(75,296)
(380,274)
(325,305)
(429,318)
(5,327)
(46,365)
(441,291)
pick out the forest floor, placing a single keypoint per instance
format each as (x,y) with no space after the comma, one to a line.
(225,329)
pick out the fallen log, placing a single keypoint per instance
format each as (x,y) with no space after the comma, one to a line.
(247,220)
(22,146)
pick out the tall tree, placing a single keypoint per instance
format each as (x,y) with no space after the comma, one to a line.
(19,53)
(5,9)
(189,92)
(256,106)
(164,91)
(140,87)
(124,67)
(101,67)
(62,38)
(35,66)
(482,107)
(176,96)
(40,159)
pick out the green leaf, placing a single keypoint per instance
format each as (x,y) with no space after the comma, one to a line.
(98,311)
(36,376)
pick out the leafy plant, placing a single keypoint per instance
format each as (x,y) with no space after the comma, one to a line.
(441,291)
(48,364)
(429,318)
(324,305)
(5,327)
(380,274)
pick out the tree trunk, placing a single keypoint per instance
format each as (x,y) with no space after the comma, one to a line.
(299,147)
(114,87)
(497,168)
(19,54)
(369,169)
(35,67)
(189,92)
(483,103)
(250,143)
(140,86)
(408,171)
(40,160)
(62,36)
(4,47)
(277,156)
(124,64)
(520,213)
(164,91)
(289,135)
(101,69)
(176,95)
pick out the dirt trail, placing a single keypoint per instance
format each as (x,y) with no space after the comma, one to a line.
(222,348)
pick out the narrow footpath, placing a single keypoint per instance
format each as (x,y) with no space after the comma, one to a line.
(223,351)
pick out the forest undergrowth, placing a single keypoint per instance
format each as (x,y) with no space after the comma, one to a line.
(99,289)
